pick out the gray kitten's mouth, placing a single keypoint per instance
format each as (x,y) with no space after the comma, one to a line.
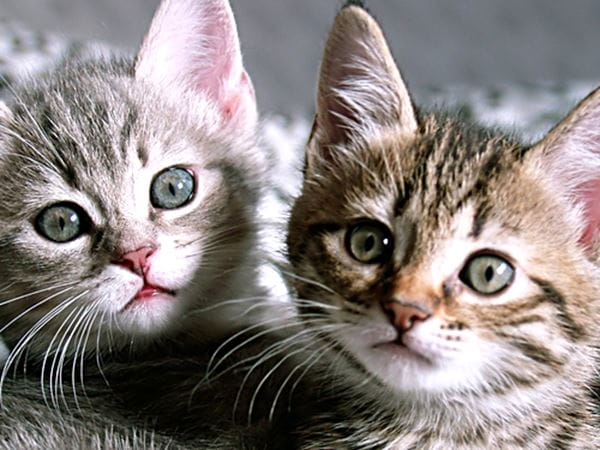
(149,291)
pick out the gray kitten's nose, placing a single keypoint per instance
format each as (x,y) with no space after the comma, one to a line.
(404,315)
(136,260)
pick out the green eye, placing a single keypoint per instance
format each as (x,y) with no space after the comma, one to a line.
(487,274)
(61,222)
(172,188)
(369,242)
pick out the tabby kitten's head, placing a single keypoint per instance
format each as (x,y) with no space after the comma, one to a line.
(128,187)
(448,260)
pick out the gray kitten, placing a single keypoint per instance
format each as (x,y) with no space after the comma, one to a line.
(130,189)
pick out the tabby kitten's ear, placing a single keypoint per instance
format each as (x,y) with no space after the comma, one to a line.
(570,156)
(360,88)
(193,46)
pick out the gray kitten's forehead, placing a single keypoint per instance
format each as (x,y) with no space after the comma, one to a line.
(95,136)
(90,130)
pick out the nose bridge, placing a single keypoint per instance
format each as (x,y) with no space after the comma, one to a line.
(132,232)
(411,299)
(414,288)
(134,241)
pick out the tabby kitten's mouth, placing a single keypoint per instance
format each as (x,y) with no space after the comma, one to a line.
(398,349)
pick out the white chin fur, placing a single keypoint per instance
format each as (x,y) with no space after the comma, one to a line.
(428,363)
(149,316)
(143,317)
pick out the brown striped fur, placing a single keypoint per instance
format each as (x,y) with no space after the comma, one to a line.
(509,370)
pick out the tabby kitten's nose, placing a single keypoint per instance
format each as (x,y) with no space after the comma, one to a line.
(136,260)
(404,315)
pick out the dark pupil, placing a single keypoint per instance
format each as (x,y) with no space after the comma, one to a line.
(61,223)
(369,243)
(489,273)
(172,189)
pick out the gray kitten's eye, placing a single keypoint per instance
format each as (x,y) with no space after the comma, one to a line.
(487,274)
(369,242)
(172,188)
(61,222)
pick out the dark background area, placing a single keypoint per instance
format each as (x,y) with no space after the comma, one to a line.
(436,42)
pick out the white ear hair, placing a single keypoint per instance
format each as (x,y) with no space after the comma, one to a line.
(360,86)
(5,112)
(193,47)
(570,156)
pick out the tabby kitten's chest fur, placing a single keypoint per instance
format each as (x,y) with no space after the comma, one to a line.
(454,267)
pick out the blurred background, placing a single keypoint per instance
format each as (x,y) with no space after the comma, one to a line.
(436,42)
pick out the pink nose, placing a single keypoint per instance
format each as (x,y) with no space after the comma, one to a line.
(136,260)
(404,316)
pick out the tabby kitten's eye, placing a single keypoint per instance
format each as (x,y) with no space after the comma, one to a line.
(172,188)
(369,242)
(487,274)
(62,222)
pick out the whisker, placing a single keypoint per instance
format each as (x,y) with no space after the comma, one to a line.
(98,353)
(211,369)
(303,374)
(34,306)
(39,291)
(21,345)
(235,336)
(271,354)
(81,328)
(64,345)
(309,281)
(278,346)
(289,377)
(66,324)
(230,302)
(88,330)
(316,303)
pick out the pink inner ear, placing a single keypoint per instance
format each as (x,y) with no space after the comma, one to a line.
(591,197)
(240,94)
(192,46)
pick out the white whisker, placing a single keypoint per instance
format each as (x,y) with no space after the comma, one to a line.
(289,377)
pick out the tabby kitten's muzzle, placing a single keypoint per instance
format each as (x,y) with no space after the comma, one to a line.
(404,316)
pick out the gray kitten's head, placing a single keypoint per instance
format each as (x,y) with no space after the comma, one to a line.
(129,187)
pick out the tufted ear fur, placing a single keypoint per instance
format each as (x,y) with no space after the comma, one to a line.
(570,156)
(193,47)
(360,89)
(5,112)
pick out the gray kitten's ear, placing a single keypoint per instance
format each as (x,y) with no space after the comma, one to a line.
(360,88)
(193,46)
(569,155)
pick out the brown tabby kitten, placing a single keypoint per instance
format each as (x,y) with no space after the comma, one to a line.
(455,267)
